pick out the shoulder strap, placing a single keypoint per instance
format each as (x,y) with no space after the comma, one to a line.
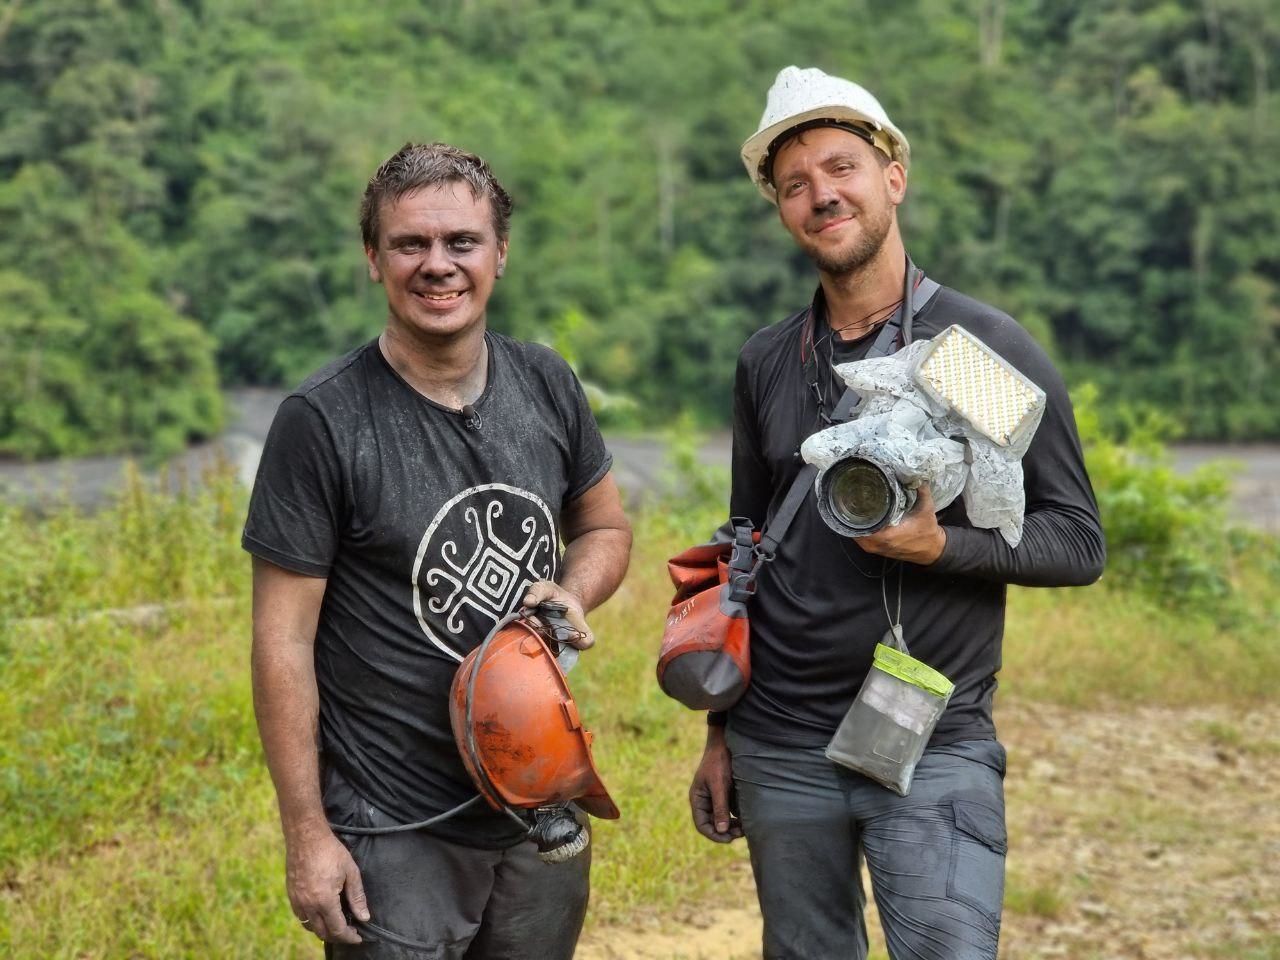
(915,296)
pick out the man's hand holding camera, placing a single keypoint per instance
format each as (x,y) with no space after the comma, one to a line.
(918,539)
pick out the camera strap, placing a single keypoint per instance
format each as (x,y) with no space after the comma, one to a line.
(915,295)
(777,527)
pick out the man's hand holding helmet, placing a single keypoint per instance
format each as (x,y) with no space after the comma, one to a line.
(542,591)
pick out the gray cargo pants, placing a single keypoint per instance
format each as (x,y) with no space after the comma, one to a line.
(430,899)
(936,857)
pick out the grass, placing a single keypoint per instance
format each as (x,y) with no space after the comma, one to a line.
(136,817)
(1269,949)
(1232,737)
(1029,896)
(1081,647)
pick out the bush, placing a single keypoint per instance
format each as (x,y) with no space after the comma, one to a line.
(1168,533)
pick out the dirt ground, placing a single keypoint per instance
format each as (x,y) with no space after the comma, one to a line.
(1148,834)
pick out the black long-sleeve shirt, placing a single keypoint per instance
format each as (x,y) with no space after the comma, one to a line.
(820,606)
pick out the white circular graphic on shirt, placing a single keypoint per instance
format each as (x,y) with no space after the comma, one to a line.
(480,551)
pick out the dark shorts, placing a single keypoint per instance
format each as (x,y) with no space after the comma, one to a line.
(430,899)
(936,857)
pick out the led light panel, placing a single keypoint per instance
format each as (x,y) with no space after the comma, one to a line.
(995,399)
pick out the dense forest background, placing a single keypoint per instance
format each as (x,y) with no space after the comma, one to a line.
(179,184)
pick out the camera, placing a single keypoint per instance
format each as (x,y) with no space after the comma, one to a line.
(869,469)
(947,412)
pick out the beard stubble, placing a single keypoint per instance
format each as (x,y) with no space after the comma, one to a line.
(875,228)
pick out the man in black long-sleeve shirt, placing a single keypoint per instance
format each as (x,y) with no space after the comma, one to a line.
(836,166)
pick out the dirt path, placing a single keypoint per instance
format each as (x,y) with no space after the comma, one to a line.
(1148,834)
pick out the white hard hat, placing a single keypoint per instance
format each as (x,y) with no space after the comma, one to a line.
(802,96)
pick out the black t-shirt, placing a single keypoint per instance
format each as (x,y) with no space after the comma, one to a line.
(819,608)
(427,529)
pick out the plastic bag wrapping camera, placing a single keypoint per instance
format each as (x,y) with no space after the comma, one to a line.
(948,412)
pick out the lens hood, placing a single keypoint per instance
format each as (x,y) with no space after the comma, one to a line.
(858,496)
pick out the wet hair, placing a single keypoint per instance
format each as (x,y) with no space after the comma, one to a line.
(416,166)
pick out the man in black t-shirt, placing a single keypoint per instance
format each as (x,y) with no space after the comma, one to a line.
(409,496)
(835,165)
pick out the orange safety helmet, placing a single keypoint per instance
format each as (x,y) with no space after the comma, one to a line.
(517,727)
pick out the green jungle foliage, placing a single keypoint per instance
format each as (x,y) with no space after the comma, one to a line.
(179,183)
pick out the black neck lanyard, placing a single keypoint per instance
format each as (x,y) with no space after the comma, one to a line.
(894,333)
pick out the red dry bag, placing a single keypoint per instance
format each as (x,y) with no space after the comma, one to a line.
(705,661)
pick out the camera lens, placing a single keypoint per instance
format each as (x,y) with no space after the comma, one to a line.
(858,495)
